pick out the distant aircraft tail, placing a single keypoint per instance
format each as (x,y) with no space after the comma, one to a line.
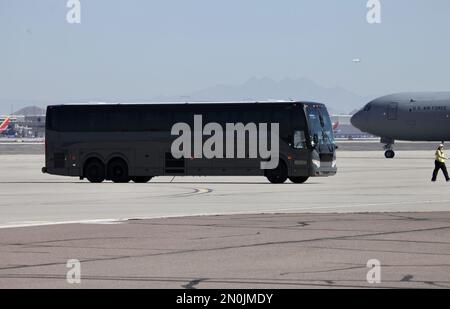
(4,125)
(335,125)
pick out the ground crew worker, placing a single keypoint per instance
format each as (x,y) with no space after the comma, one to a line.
(440,163)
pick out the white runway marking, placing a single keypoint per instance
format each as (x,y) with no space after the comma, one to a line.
(364,206)
(264,211)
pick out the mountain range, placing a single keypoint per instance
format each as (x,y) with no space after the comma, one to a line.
(338,99)
(30,111)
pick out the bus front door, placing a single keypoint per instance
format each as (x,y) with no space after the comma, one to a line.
(301,152)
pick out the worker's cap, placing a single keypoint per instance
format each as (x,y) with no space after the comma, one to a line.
(441,146)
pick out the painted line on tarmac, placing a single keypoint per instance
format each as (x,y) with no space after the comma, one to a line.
(364,205)
(22,143)
(262,211)
(195,192)
(48,223)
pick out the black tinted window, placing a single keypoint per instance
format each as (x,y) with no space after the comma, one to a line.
(117,118)
(368,107)
(95,119)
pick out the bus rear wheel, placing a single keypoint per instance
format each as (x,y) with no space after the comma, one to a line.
(118,171)
(94,171)
(278,175)
(298,179)
(141,179)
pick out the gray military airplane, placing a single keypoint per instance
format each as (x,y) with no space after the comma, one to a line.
(413,116)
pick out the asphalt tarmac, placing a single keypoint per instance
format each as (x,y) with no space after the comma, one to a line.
(228,232)
(366,182)
(237,251)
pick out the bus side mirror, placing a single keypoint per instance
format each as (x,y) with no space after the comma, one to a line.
(315,140)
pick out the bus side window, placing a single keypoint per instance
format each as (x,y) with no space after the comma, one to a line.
(227,117)
(210,114)
(116,120)
(156,119)
(257,116)
(282,117)
(214,116)
(132,121)
(249,116)
(182,115)
(266,116)
(93,124)
(54,119)
(164,122)
(234,116)
(299,140)
(146,119)
(70,119)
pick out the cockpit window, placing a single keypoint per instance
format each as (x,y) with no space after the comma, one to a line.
(367,108)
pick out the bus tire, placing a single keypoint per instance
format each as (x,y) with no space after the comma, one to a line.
(141,179)
(278,175)
(298,180)
(94,171)
(118,171)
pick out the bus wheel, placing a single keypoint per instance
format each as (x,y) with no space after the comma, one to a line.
(118,171)
(141,179)
(94,171)
(298,179)
(278,175)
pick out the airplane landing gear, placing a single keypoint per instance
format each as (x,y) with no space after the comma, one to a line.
(388,147)
(389,154)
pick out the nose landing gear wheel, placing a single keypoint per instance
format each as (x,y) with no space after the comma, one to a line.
(389,154)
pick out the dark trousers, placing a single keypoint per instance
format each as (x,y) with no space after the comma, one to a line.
(440,166)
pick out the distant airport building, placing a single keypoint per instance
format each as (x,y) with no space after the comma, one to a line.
(24,126)
(345,130)
(28,122)
(34,126)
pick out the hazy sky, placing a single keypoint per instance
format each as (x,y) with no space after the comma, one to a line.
(141,49)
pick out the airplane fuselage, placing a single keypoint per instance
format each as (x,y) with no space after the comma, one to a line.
(423,116)
(407,116)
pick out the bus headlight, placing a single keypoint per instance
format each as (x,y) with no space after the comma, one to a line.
(333,165)
(316,163)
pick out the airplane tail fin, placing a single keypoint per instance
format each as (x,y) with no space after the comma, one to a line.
(4,125)
(335,125)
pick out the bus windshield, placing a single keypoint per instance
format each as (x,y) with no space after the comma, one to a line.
(320,125)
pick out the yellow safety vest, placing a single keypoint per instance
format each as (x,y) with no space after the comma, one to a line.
(440,156)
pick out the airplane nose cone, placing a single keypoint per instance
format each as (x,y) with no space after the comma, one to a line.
(357,120)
